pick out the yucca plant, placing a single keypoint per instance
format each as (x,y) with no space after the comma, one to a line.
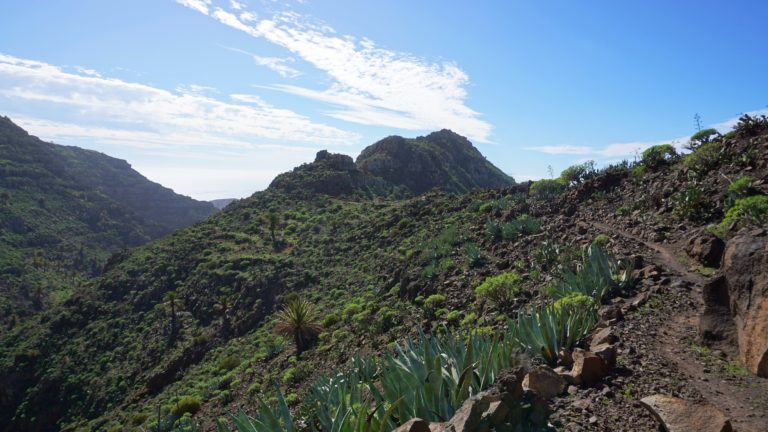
(546,330)
(298,319)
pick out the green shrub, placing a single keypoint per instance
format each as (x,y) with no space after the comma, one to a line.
(453,317)
(547,188)
(578,173)
(187,404)
(474,256)
(598,274)
(139,418)
(574,301)
(500,289)
(704,158)
(745,211)
(738,189)
(434,302)
(331,319)
(658,155)
(601,240)
(386,318)
(229,362)
(691,203)
(703,136)
(351,309)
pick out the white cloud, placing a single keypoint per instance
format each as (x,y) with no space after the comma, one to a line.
(371,85)
(727,126)
(195,89)
(236,5)
(198,5)
(562,149)
(278,65)
(141,108)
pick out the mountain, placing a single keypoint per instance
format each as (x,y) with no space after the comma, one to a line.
(442,159)
(184,328)
(65,210)
(221,203)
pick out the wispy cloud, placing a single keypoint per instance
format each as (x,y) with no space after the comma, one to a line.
(141,108)
(562,149)
(198,5)
(370,85)
(278,65)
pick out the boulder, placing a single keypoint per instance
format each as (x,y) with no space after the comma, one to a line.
(588,367)
(745,266)
(679,415)
(543,381)
(604,335)
(610,313)
(469,417)
(414,425)
(606,352)
(715,322)
(706,249)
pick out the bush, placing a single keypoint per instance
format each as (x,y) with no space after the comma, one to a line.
(738,189)
(601,240)
(658,155)
(704,158)
(578,173)
(500,289)
(547,188)
(746,211)
(574,302)
(331,319)
(229,362)
(138,419)
(702,137)
(691,204)
(434,302)
(187,404)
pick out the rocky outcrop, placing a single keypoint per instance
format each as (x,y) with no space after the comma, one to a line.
(745,267)
(706,249)
(441,159)
(679,415)
(736,301)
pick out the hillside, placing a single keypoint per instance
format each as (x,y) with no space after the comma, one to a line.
(441,159)
(182,329)
(65,210)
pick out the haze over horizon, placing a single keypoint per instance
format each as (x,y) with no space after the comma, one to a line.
(214,98)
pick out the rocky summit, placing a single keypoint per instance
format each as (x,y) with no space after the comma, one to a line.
(417,288)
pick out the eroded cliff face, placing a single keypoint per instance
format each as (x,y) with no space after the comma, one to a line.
(745,266)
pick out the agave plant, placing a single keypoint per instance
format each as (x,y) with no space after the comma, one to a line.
(298,319)
(265,419)
(596,276)
(546,330)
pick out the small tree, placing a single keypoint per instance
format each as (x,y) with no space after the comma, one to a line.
(170,298)
(274,220)
(298,319)
(658,155)
(702,137)
(578,173)
(547,188)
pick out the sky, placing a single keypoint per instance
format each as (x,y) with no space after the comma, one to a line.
(214,98)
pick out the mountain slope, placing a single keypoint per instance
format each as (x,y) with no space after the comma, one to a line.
(64,210)
(122,350)
(442,159)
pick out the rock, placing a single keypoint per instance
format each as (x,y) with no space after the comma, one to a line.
(678,415)
(469,417)
(605,335)
(414,425)
(588,368)
(745,266)
(544,382)
(610,313)
(439,427)
(706,249)
(582,228)
(715,322)
(564,358)
(606,352)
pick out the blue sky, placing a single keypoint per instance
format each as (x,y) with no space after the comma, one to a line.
(213,98)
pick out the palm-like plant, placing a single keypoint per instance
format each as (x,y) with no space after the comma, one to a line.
(298,319)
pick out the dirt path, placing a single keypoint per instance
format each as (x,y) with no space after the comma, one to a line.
(744,398)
